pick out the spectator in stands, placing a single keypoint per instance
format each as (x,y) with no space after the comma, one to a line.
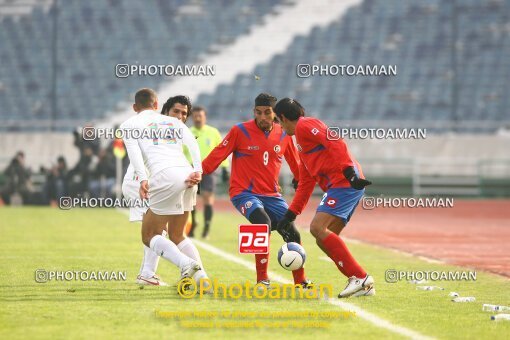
(17,189)
(82,144)
(56,182)
(103,177)
(79,176)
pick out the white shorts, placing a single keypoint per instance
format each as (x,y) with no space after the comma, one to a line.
(130,190)
(190,198)
(166,191)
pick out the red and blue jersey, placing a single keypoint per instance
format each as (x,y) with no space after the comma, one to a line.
(256,160)
(322,161)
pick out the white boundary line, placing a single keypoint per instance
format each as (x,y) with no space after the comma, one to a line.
(372,318)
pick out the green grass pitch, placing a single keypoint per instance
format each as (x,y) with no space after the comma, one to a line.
(103,239)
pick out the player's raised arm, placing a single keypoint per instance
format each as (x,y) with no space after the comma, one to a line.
(220,152)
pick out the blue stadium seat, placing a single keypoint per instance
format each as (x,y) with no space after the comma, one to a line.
(417,37)
(93,38)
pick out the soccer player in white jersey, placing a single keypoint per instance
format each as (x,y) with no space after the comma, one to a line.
(177,107)
(159,152)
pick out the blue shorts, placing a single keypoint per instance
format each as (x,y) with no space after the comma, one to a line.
(247,202)
(340,202)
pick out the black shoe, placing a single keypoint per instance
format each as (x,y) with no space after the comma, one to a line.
(307,284)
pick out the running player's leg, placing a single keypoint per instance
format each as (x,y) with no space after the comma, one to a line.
(321,228)
(176,231)
(252,208)
(177,226)
(193,223)
(147,274)
(153,236)
(207,187)
(333,213)
(276,208)
(193,212)
(166,200)
(259,216)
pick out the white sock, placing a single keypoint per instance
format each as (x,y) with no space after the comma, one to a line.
(149,263)
(187,247)
(169,251)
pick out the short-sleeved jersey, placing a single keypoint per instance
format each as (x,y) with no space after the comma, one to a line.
(322,161)
(256,160)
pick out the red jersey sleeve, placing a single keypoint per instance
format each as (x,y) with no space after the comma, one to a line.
(315,131)
(220,152)
(292,158)
(304,190)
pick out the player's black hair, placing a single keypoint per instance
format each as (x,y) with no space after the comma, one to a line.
(289,108)
(183,100)
(265,99)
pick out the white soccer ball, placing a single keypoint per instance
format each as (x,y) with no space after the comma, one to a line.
(291,256)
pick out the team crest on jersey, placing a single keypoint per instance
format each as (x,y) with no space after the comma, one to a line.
(299,147)
(277,149)
(225,142)
(248,204)
(331,202)
(253,147)
(315,131)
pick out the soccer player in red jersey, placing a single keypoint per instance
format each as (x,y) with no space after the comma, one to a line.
(328,162)
(258,148)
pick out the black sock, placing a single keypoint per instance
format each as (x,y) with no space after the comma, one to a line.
(208,213)
(193,222)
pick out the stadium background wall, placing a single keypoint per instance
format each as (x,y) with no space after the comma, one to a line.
(458,165)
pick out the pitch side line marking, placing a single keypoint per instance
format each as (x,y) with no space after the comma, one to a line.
(372,318)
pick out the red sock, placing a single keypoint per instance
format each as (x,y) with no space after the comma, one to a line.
(299,276)
(261,263)
(342,257)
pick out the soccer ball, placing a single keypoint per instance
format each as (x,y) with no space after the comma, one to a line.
(291,256)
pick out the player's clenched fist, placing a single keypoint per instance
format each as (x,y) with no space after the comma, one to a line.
(194,178)
(354,180)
